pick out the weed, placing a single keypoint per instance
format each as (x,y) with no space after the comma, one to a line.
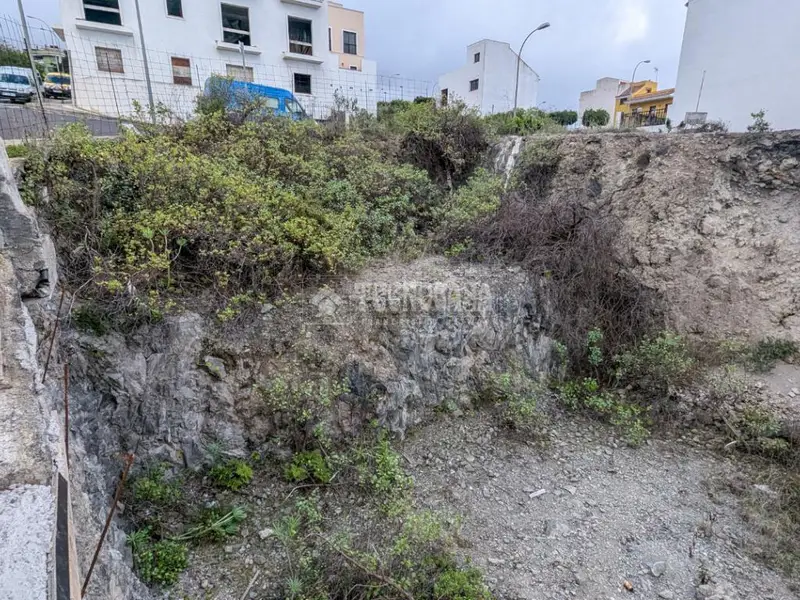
(233,474)
(16,151)
(215,525)
(152,488)
(92,318)
(517,398)
(763,357)
(308,466)
(536,167)
(159,563)
(461,584)
(656,365)
(760,123)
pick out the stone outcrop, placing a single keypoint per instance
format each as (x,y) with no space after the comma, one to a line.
(709,220)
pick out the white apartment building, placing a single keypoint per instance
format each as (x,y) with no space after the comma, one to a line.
(738,57)
(487,81)
(603,96)
(280,43)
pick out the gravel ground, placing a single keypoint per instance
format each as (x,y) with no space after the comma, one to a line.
(586,517)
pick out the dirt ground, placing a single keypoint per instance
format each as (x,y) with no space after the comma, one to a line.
(583,516)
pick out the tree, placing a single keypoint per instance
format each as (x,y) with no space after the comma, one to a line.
(564,118)
(596,118)
(760,123)
(11,57)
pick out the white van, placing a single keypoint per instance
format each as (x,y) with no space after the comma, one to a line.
(17,84)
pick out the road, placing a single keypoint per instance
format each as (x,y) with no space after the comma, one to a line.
(20,121)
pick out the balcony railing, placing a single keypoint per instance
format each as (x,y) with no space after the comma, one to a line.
(645,119)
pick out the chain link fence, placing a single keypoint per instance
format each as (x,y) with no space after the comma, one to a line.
(109,82)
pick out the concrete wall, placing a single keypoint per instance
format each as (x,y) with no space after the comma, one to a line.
(603,96)
(342,19)
(496,75)
(198,37)
(750,51)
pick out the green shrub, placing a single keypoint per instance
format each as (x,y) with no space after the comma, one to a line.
(657,364)
(595,118)
(152,488)
(159,563)
(516,396)
(461,584)
(565,118)
(308,466)
(16,151)
(760,123)
(243,211)
(765,354)
(477,198)
(233,474)
(525,122)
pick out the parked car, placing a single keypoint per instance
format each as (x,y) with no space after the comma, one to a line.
(17,84)
(57,85)
(266,100)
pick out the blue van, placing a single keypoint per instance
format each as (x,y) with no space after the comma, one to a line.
(275,101)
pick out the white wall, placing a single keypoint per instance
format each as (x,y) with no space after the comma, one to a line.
(196,37)
(750,50)
(496,73)
(603,96)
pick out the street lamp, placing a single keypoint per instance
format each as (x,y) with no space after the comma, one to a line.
(519,61)
(633,79)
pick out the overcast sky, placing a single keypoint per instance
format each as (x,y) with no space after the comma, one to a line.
(589,39)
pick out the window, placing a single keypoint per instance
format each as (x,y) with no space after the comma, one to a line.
(235,24)
(477,57)
(102,11)
(13,78)
(330,39)
(109,60)
(473,85)
(353,68)
(175,8)
(293,106)
(300,36)
(181,71)
(302,83)
(445,95)
(349,42)
(239,73)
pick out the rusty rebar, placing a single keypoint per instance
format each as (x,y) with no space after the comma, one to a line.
(55,332)
(128,462)
(66,411)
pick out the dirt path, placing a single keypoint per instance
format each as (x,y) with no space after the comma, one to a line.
(586,514)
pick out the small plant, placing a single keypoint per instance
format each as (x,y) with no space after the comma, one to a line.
(152,488)
(308,466)
(461,584)
(215,525)
(657,364)
(516,396)
(16,151)
(765,354)
(232,475)
(159,563)
(760,123)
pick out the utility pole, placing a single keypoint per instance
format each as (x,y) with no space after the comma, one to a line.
(34,73)
(146,64)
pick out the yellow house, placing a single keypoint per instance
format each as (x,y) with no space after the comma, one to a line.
(346,35)
(643,104)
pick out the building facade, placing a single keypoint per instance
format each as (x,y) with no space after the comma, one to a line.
(281,43)
(487,81)
(734,55)
(346,36)
(642,104)
(602,97)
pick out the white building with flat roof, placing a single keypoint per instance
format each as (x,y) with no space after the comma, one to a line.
(603,96)
(738,57)
(280,43)
(487,81)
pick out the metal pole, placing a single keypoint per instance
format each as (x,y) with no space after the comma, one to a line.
(146,65)
(519,62)
(633,79)
(33,66)
(244,60)
(700,94)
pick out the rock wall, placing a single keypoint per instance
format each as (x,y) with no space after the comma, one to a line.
(710,220)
